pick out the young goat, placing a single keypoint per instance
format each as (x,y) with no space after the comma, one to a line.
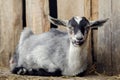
(54,52)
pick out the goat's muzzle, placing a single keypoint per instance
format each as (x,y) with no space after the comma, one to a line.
(78,42)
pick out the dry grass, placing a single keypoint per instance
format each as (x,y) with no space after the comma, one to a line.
(6,75)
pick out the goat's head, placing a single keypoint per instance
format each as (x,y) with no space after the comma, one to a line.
(78,27)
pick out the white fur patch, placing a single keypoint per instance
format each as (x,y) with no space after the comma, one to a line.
(77,19)
(76,61)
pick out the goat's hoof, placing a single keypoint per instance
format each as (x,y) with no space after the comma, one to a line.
(20,70)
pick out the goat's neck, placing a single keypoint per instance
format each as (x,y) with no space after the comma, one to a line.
(77,57)
(74,59)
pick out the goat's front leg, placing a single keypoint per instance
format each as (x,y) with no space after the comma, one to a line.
(20,70)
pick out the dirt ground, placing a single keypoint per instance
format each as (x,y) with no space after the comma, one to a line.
(6,75)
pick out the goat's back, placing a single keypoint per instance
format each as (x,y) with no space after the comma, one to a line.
(47,50)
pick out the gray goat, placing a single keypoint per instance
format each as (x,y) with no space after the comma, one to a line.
(54,52)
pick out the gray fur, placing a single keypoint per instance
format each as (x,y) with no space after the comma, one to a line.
(52,50)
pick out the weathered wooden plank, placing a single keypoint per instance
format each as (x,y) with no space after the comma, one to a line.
(0,33)
(94,16)
(70,8)
(94,44)
(104,39)
(37,15)
(10,28)
(91,9)
(88,15)
(88,9)
(94,8)
(115,20)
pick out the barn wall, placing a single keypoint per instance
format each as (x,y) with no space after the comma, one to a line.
(37,15)
(115,34)
(11,23)
(10,28)
(104,64)
(69,8)
(94,16)
(108,56)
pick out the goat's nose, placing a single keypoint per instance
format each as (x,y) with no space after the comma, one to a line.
(79,38)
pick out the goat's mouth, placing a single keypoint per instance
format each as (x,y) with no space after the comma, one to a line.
(77,43)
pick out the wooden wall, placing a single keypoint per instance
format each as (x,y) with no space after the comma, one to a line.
(108,56)
(115,25)
(69,8)
(37,15)
(11,23)
(10,28)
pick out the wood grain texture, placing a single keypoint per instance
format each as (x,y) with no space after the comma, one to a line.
(69,8)
(37,15)
(94,44)
(88,15)
(88,9)
(94,16)
(104,39)
(115,21)
(10,28)
(94,9)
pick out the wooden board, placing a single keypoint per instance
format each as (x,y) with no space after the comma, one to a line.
(94,9)
(94,16)
(69,8)
(104,39)
(88,9)
(10,28)
(115,26)
(94,44)
(37,15)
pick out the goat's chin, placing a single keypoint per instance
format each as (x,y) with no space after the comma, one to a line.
(76,44)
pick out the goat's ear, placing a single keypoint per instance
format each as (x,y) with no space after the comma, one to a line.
(98,22)
(58,22)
